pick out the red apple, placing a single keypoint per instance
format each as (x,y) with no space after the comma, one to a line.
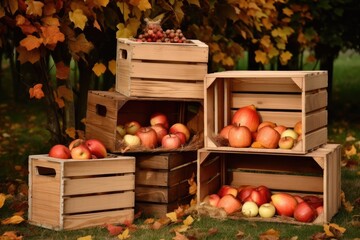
(60,151)
(298,198)
(266,123)
(284,203)
(132,127)
(268,137)
(244,192)
(76,142)
(97,148)
(298,127)
(81,152)
(160,130)
(240,136)
(286,142)
(179,127)
(320,210)
(304,212)
(159,118)
(181,136)
(247,116)
(147,136)
(171,141)
(264,191)
(212,199)
(227,189)
(229,203)
(313,200)
(280,128)
(257,198)
(224,132)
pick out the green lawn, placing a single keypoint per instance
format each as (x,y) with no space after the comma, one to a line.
(23,133)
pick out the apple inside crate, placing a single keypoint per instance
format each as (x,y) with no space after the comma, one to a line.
(161,181)
(316,173)
(107,110)
(281,97)
(66,194)
(166,70)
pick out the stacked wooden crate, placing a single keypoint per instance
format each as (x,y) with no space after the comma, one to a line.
(283,97)
(154,77)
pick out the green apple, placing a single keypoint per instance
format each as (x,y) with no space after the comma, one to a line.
(250,209)
(267,210)
(290,133)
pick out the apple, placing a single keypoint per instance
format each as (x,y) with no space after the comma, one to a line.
(160,130)
(298,198)
(227,189)
(60,151)
(286,142)
(280,128)
(304,212)
(97,148)
(147,136)
(320,210)
(268,137)
(284,203)
(224,132)
(76,142)
(171,141)
(229,203)
(256,197)
(132,127)
(80,152)
(121,130)
(159,118)
(264,191)
(313,200)
(244,192)
(212,199)
(181,136)
(267,210)
(239,136)
(298,127)
(290,133)
(247,116)
(179,127)
(250,209)
(266,123)
(131,140)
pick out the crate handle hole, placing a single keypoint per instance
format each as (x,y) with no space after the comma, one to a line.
(101,110)
(123,54)
(45,171)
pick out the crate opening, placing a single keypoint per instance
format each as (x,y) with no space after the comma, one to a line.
(123,54)
(101,110)
(45,171)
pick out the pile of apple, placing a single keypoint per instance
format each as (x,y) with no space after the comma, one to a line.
(247,130)
(79,149)
(259,201)
(157,134)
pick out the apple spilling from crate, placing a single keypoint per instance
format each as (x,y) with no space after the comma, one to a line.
(158,133)
(247,130)
(80,149)
(259,201)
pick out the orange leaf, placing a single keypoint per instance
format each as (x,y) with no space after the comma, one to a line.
(52,35)
(99,69)
(51,21)
(34,7)
(31,42)
(260,56)
(102,3)
(193,185)
(36,91)
(179,236)
(112,66)
(60,102)
(80,45)
(49,8)
(71,132)
(11,235)
(114,230)
(62,71)
(270,234)
(288,12)
(12,220)
(2,199)
(66,93)
(78,18)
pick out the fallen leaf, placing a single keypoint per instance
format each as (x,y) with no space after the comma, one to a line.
(270,234)
(161,223)
(188,220)
(124,235)
(172,216)
(11,235)
(88,237)
(179,236)
(350,151)
(15,219)
(347,205)
(193,185)
(334,230)
(239,235)
(113,229)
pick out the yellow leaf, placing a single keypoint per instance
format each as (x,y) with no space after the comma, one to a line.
(66,93)
(179,13)
(123,32)
(149,221)
(88,237)
(78,18)
(265,41)
(228,61)
(172,216)
(329,231)
(102,3)
(285,57)
(16,219)
(2,199)
(144,5)
(217,57)
(31,42)
(124,235)
(350,138)
(124,9)
(99,69)
(350,151)
(193,202)
(34,7)
(133,25)
(288,12)
(51,21)
(179,236)
(347,205)
(112,66)
(181,228)
(2,11)
(71,132)
(188,220)
(273,52)
(266,22)
(260,56)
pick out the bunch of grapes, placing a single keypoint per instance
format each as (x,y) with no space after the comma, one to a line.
(153,32)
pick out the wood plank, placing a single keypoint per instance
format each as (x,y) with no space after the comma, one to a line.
(165,161)
(258,84)
(267,101)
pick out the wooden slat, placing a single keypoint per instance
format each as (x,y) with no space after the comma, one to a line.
(258,84)
(267,101)
(165,161)
(315,101)
(315,121)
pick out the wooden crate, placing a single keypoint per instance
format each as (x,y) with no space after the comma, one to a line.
(74,194)
(106,110)
(283,97)
(168,70)
(161,181)
(316,173)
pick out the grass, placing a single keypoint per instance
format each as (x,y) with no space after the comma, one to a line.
(23,133)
